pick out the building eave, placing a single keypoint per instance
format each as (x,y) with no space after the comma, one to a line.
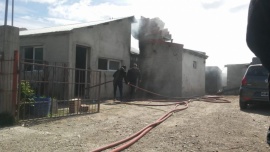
(197,53)
(67,28)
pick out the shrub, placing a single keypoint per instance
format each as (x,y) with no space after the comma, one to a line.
(26,99)
(27,92)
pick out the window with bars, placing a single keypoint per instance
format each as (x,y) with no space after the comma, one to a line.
(33,55)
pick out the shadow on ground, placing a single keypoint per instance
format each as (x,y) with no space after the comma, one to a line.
(263,109)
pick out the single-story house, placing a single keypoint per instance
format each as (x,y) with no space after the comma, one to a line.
(100,45)
(235,73)
(171,70)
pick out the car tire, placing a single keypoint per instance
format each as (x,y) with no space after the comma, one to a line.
(243,105)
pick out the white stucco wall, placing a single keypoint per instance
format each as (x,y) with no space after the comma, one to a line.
(235,73)
(110,41)
(161,66)
(193,79)
(55,46)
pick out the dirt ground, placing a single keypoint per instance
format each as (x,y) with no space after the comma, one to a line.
(203,126)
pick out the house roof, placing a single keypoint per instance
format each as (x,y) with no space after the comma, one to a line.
(198,53)
(232,65)
(68,27)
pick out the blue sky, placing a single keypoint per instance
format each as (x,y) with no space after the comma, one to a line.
(216,27)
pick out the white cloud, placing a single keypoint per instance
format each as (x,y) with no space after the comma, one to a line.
(58,21)
(26,17)
(83,11)
(22,10)
(45,1)
(2,7)
(31,23)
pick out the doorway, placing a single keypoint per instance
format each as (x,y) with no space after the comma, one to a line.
(80,74)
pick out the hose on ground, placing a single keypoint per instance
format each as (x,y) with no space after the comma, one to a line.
(135,137)
(213,99)
(144,91)
(127,142)
(160,94)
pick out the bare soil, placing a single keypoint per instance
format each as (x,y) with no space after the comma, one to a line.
(203,126)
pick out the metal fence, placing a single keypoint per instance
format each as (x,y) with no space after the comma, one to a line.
(48,90)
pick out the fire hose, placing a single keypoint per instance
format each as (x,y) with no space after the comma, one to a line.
(214,99)
(135,137)
(98,84)
(127,142)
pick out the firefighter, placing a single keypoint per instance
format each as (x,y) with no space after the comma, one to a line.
(118,77)
(133,76)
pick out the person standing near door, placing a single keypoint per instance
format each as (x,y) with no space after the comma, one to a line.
(133,76)
(118,78)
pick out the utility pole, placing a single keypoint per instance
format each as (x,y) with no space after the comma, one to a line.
(6,12)
(12,13)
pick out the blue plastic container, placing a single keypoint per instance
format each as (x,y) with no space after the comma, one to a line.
(42,107)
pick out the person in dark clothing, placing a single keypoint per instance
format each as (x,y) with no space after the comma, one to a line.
(118,76)
(258,35)
(258,30)
(133,76)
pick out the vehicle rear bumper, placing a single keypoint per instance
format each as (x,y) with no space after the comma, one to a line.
(253,96)
(255,101)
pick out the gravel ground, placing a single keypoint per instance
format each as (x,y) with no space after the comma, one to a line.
(203,126)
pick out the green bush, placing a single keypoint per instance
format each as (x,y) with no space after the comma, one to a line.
(27,92)
(26,99)
(6,119)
